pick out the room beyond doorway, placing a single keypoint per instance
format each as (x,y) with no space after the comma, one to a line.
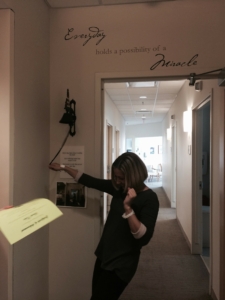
(149,149)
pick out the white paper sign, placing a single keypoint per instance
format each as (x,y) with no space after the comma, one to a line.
(20,221)
(73,157)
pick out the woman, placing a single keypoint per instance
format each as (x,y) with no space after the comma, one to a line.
(129,226)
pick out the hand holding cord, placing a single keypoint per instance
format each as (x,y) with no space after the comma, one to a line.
(58,167)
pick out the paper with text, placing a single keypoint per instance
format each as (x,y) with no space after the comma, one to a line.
(20,221)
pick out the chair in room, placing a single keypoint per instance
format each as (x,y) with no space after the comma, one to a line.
(151,173)
(159,171)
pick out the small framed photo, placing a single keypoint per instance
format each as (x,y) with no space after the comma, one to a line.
(152,150)
(70,195)
(159,149)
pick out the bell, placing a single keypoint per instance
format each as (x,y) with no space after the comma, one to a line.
(69,116)
(66,119)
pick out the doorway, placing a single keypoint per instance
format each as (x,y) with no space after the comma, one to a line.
(117,143)
(202,180)
(101,78)
(174,166)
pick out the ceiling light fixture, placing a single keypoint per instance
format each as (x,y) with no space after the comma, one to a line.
(142,84)
(145,111)
(142,97)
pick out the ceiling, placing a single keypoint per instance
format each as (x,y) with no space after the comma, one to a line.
(83,3)
(136,110)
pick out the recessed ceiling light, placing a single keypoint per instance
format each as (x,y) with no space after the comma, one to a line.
(142,97)
(143,109)
(142,84)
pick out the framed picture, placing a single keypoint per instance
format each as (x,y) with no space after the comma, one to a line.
(70,195)
(160,149)
(152,150)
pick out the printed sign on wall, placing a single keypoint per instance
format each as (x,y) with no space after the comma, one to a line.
(73,157)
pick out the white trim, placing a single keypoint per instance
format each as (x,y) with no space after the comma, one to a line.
(222,201)
(196,243)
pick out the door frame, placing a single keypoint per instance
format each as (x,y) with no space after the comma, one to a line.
(197,235)
(174,164)
(108,152)
(222,196)
(196,205)
(117,143)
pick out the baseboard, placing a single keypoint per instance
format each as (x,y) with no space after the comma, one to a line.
(166,196)
(184,234)
(213,295)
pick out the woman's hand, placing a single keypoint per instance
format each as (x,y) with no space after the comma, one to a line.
(133,221)
(6,207)
(131,194)
(58,167)
(55,167)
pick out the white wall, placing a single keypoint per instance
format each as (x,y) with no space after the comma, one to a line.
(30,154)
(175,30)
(115,119)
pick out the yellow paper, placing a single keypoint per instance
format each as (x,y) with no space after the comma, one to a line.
(18,222)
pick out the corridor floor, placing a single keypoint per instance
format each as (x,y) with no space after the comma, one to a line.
(167,270)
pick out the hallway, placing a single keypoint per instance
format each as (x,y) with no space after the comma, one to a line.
(167,270)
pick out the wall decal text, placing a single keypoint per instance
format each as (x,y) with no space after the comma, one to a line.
(134,50)
(170,63)
(94,33)
(141,50)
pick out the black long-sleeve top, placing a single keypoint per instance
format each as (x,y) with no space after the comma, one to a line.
(118,250)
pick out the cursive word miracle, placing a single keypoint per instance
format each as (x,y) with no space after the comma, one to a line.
(170,63)
(94,33)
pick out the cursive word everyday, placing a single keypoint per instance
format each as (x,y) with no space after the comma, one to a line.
(163,63)
(94,33)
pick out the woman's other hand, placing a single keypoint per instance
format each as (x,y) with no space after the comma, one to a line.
(127,201)
(6,207)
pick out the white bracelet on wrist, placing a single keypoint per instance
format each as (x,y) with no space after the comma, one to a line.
(141,231)
(62,166)
(128,215)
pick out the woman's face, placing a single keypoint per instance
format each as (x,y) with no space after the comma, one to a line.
(119,178)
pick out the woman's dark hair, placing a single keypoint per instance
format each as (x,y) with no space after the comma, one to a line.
(134,170)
